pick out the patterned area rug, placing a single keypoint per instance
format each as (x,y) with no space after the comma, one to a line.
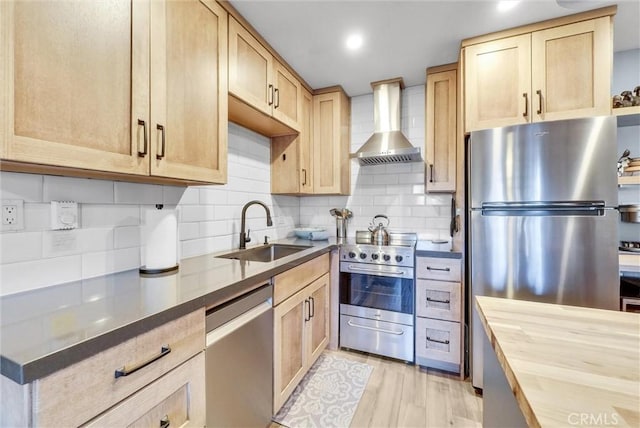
(327,396)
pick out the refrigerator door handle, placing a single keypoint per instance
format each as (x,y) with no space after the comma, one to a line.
(560,205)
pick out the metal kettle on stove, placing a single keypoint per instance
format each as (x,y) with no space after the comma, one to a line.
(379,233)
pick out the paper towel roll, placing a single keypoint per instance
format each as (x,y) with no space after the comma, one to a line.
(159,292)
(159,240)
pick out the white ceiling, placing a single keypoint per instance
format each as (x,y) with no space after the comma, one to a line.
(401,38)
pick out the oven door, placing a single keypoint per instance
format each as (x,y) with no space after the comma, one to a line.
(378,288)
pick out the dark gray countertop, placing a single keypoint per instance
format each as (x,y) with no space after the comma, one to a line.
(45,330)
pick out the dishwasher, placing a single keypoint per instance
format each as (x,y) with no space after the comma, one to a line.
(239,361)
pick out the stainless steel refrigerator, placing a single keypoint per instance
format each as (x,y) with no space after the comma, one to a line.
(543,218)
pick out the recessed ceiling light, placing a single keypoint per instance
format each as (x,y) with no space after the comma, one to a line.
(354,41)
(506,5)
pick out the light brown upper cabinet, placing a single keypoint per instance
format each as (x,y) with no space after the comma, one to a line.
(441,122)
(554,73)
(331,135)
(101,89)
(291,155)
(263,84)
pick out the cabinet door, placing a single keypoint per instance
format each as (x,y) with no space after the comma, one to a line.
(330,144)
(250,68)
(441,111)
(306,143)
(286,99)
(318,324)
(76,76)
(497,83)
(291,155)
(289,355)
(571,70)
(175,399)
(189,90)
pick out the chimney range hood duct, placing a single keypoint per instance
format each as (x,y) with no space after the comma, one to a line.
(387,144)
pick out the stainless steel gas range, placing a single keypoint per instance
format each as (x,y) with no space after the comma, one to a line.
(377,289)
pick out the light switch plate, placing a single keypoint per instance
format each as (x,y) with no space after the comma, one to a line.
(64,215)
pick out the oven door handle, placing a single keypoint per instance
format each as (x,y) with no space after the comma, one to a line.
(390,272)
(382,330)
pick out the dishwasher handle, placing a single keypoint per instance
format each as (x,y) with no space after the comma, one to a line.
(233,325)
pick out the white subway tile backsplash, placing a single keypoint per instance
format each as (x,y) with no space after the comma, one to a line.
(137,193)
(58,243)
(81,190)
(17,277)
(215,228)
(105,262)
(188,231)
(20,246)
(37,217)
(27,187)
(197,213)
(109,215)
(127,236)
(172,195)
(214,196)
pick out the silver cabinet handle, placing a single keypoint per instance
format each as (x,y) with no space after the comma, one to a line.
(444,342)
(430,173)
(277,98)
(439,269)
(526,105)
(125,371)
(304,171)
(313,307)
(382,330)
(307,310)
(429,299)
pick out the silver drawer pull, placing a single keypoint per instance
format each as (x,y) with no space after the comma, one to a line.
(439,269)
(165,422)
(126,371)
(429,299)
(382,330)
(444,342)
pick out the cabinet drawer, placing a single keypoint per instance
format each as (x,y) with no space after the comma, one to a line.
(436,268)
(438,299)
(438,340)
(178,398)
(290,282)
(91,384)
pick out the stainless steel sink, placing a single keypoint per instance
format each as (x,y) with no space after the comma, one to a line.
(266,253)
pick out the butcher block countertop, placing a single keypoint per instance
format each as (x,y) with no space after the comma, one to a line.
(567,365)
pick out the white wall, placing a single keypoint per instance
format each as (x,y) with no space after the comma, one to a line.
(396,190)
(111,213)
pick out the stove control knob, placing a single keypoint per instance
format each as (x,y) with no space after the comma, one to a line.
(374,256)
(363,256)
(386,257)
(398,259)
(352,255)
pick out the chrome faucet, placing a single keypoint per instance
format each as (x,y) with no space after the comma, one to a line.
(244,237)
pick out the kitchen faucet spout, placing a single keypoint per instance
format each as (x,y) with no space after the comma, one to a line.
(244,237)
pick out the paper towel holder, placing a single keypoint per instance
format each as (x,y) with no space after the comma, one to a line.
(158,271)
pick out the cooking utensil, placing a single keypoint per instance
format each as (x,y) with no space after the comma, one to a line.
(341,215)
(630,213)
(379,232)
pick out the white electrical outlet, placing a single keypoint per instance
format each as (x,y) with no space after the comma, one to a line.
(12,214)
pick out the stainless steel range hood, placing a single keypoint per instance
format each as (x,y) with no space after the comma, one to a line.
(387,144)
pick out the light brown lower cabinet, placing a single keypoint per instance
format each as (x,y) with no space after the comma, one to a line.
(176,399)
(301,333)
(104,383)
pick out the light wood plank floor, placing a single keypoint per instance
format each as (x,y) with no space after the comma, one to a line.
(404,395)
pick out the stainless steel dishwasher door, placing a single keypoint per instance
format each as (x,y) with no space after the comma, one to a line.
(239,362)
